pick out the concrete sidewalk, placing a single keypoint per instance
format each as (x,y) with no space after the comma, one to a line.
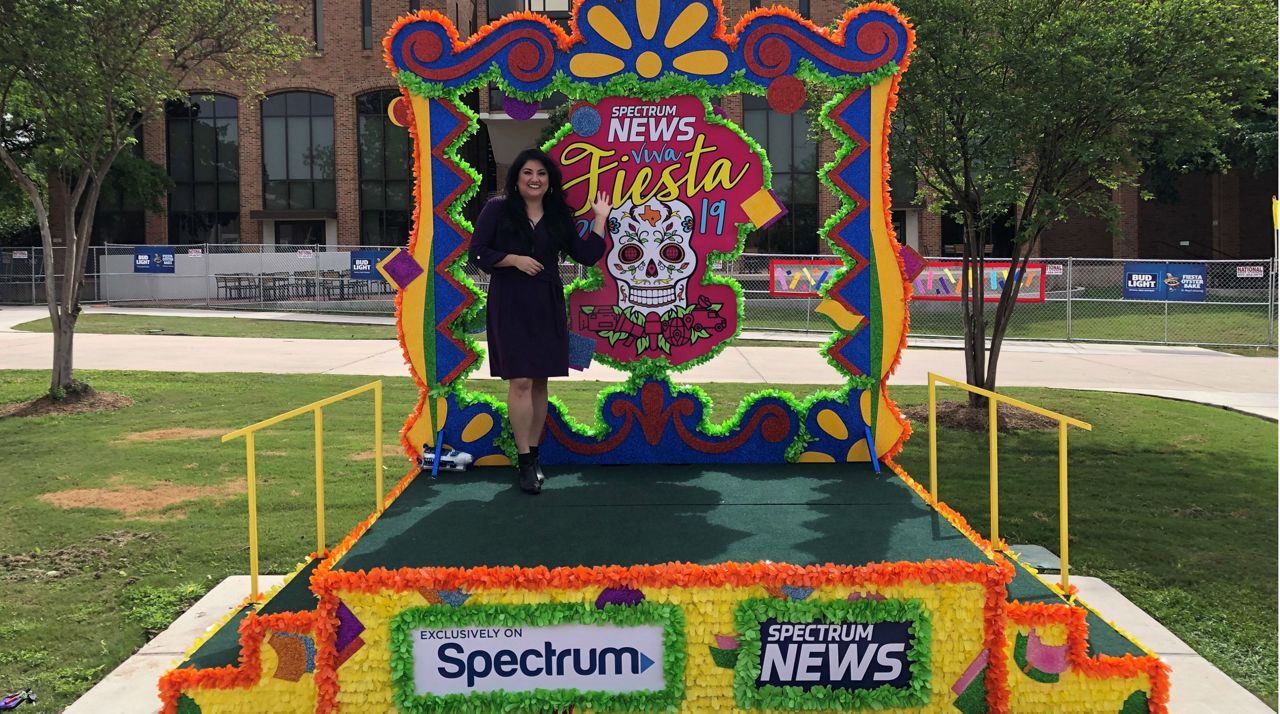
(1246,384)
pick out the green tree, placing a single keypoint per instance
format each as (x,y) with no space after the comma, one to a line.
(17,221)
(1014,113)
(78,77)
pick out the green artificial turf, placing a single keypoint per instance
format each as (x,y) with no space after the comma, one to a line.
(806,514)
(223,647)
(1172,503)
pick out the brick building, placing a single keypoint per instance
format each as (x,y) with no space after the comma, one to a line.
(317,161)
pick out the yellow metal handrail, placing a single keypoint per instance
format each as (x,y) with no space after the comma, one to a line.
(316,408)
(993,399)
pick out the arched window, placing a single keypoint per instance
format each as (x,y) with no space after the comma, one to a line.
(794,157)
(120,217)
(297,152)
(386,189)
(204,163)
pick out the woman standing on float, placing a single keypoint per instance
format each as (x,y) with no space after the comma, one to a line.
(518,240)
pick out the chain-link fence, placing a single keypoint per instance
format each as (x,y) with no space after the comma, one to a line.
(1231,303)
(1084,298)
(22,275)
(244,277)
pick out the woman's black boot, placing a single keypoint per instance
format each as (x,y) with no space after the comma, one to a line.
(529,482)
(537,465)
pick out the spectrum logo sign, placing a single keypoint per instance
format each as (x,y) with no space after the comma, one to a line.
(594,657)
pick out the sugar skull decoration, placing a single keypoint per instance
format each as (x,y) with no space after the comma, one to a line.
(682,186)
(652,257)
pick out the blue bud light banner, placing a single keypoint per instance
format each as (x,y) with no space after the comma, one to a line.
(1181,282)
(364,264)
(153,259)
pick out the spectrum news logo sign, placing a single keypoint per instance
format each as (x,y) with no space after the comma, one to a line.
(586,657)
(832,654)
(842,655)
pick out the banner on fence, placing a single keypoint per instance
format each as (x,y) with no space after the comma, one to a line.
(944,280)
(1251,271)
(1186,282)
(800,278)
(1180,282)
(364,264)
(153,259)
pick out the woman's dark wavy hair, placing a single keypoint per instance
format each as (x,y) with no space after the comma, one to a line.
(554,206)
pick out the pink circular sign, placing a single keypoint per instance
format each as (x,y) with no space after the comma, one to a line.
(680,185)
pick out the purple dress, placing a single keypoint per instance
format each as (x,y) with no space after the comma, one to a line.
(526,318)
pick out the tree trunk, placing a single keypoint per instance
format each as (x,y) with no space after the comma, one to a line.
(973,297)
(79,231)
(64,332)
(1008,300)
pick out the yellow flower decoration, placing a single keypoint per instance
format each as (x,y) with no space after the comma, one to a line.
(648,62)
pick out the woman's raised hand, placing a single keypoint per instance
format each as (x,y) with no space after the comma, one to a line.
(602,206)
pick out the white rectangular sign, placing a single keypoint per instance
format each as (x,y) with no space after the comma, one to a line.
(1250,271)
(599,658)
(1053,269)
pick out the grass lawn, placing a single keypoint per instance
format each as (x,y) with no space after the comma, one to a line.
(1109,320)
(1250,351)
(1172,503)
(1091,320)
(113,324)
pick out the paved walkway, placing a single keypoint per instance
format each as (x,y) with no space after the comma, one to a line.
(1247,384)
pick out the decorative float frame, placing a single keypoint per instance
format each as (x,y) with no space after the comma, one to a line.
(529,57)
(614,49)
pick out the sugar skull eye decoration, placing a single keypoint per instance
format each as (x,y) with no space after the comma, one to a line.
(630,253)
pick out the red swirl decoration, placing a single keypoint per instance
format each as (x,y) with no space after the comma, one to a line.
(772,421)
(768,54)
(877,39)
(531,55)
